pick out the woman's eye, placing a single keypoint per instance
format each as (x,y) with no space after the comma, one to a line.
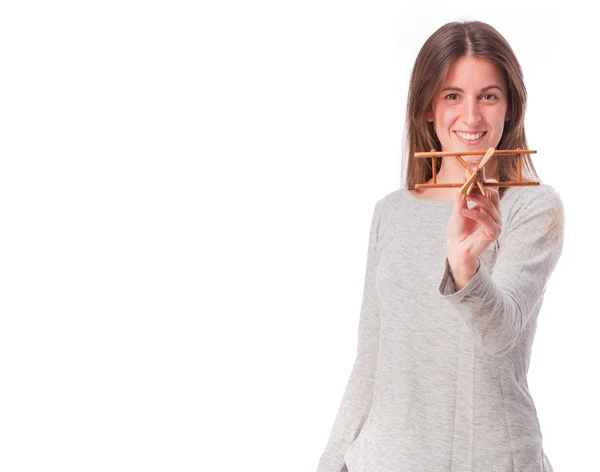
(453,95)
(490,96)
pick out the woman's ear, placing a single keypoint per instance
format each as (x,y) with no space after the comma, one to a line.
(507,117)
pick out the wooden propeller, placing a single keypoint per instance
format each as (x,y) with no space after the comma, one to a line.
(477,176)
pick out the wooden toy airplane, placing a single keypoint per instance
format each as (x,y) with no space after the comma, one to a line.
(476,172)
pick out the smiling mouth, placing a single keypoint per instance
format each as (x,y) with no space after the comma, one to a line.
(470,136)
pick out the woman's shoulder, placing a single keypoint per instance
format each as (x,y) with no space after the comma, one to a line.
(390,201)
(403,194)
(392,197)
(542,196)
(538,204)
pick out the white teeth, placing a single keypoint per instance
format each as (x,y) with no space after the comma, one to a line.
(469,136)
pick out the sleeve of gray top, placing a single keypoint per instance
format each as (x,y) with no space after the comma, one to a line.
(496,307)
(358,394)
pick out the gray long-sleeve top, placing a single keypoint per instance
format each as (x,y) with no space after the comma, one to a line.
(439,382)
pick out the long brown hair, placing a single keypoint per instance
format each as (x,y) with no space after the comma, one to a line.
(446,45)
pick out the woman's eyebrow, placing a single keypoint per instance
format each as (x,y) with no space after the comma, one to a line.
(484,89)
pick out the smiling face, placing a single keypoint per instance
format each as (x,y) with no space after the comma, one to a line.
(470,111)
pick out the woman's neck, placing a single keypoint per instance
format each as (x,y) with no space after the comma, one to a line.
(452,170)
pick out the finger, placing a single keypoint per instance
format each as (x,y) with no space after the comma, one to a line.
(499,229)
(490,228)
(487,206)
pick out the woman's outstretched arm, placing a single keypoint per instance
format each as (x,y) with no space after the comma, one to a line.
(496,304)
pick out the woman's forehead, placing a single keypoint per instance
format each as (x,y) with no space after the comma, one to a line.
(474,73)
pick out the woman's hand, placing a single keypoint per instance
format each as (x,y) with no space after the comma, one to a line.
(471,231)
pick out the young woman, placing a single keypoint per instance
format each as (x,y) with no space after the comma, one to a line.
(453,288)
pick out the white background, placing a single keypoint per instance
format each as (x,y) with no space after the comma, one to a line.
(185,197)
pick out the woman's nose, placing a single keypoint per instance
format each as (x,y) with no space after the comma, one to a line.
(471,113)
